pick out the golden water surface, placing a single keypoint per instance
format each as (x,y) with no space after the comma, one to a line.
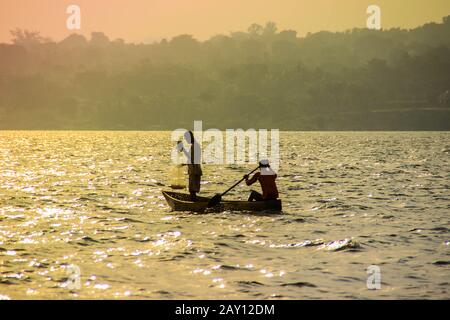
(351,200)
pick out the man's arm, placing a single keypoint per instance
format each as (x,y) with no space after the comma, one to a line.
(180,148)
(251,181)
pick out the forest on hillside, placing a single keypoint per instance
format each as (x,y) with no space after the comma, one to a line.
(263,78)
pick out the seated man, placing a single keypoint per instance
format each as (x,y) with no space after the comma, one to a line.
(266,177)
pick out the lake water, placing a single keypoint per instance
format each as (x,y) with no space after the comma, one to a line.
(351,200)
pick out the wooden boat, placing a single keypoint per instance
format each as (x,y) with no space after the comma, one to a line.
(181,202)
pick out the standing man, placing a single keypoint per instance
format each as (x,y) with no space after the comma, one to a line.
(193,161)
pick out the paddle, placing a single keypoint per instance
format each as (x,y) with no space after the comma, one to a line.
(214,201)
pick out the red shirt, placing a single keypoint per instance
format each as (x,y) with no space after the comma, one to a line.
(268,185)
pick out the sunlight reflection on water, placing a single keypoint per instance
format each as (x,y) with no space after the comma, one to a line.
(93,199)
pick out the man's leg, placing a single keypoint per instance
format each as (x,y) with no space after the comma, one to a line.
(194,186)
(255,196)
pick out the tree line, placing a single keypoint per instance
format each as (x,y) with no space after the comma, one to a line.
(359,79)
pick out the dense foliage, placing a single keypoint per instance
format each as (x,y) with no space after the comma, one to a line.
(355,80)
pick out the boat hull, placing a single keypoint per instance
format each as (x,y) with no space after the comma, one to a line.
(181,202)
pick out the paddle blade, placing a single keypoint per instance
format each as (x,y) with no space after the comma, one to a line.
(214,200)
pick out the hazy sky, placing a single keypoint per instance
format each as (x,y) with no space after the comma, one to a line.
(148,20)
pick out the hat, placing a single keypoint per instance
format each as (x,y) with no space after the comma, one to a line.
(265,169)
(264,164)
